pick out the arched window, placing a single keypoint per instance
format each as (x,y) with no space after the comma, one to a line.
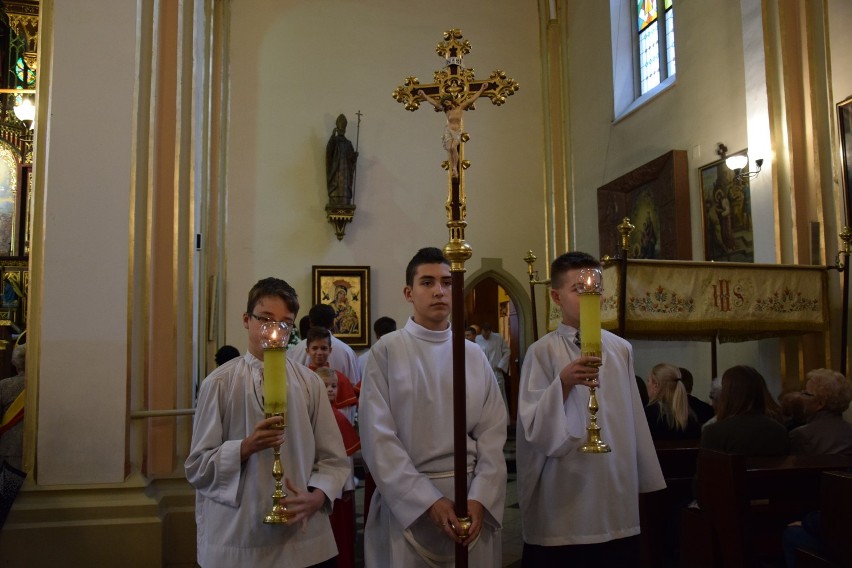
(655,40)
(643,51)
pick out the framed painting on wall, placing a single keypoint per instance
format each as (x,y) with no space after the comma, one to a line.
(655,197)
(347,290)
(844,119)
(726,207)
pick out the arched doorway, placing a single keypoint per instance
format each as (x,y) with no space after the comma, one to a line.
(493,296)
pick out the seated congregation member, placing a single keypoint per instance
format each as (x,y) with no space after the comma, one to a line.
(230,457)
(792,404)
(703,411)
(407,435)
(580,509)
(825,397)
(668,412)
(743,423)
(318,345)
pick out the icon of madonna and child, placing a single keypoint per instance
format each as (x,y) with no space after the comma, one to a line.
(346,320)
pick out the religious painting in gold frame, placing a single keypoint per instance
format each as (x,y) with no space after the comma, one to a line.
(655,196)
(726,213)
(844,119)
(347,290)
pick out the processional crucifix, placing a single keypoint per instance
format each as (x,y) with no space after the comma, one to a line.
(454,91)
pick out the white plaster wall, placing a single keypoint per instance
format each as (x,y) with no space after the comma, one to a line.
(296,65)
(839,22)
(87,163)
(705,106)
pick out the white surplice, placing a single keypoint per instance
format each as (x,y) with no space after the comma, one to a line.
(496,351)
(407,441)
(566,496)
(232,498)
(342,358)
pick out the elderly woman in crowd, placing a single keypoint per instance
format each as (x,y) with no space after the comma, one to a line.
(744,420)
(668,412)
(826,395)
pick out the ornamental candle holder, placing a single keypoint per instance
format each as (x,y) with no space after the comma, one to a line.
(590,288)
(273,338)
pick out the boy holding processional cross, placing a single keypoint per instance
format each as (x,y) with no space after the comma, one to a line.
(406,427)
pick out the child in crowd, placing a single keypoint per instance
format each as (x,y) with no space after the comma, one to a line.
(343,512)
(318,346)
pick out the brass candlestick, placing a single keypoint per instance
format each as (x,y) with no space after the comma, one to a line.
(590,288)
(273,338)
(279,513)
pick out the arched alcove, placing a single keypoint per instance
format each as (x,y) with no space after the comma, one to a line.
(488,277)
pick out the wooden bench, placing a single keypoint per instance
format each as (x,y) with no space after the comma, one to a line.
(836,511)
(659,509)
(745,504)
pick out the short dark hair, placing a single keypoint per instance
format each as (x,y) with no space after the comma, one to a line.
(273,287)
(304,326)
(384,325)
(687,379)
(322,315)
(225,354)
(487,327)
(428,255)
(471,329)
(570,261)
(317,333)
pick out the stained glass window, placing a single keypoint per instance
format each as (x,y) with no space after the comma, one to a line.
(25,75)
(656,46)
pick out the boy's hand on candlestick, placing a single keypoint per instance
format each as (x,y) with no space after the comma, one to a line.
(443,514)
(265,436)
(580,371)
(301,505)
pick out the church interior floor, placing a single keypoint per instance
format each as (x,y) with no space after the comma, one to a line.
(512,541)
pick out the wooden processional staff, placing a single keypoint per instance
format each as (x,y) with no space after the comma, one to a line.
(454,91)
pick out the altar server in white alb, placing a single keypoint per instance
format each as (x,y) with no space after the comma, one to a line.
(580,509)
(230,461)
(407,435)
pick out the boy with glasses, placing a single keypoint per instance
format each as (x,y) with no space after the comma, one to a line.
(230,459)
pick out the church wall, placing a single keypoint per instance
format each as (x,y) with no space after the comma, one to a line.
(82,323)
(706,105)
(296,65)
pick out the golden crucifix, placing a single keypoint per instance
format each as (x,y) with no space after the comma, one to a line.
(454,91)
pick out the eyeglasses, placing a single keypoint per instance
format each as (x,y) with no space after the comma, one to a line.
(264,319)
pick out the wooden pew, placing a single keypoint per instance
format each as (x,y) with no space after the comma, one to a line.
(657,510)
(836,511)
(745,504)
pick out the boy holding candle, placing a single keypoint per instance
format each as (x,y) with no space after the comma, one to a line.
(580,508)
(230,459)
(407,435)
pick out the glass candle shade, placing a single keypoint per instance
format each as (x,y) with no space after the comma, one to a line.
(590,288)
(274,336)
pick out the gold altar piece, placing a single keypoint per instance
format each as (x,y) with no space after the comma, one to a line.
(590,288)
(273,338)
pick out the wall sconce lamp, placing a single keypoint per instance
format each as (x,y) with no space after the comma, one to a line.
(738,162)
(25,111)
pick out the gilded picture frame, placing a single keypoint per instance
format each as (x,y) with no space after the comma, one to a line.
(726,213)
(347,290)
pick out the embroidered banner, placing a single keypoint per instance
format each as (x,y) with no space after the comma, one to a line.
(697,300)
